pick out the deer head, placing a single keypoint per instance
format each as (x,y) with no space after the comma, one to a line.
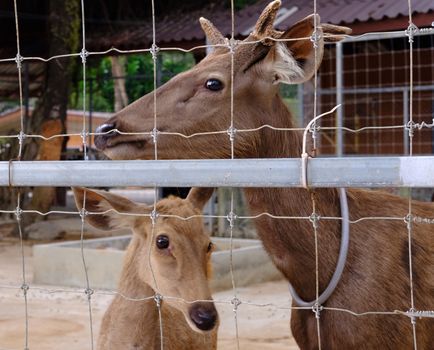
(179,251)
(199,100)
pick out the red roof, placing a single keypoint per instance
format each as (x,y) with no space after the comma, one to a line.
(184,27)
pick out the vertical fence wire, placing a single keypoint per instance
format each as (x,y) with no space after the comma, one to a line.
(88,291)
(158,297)
(18,210)
(315,38)
(231,216)
(410,32)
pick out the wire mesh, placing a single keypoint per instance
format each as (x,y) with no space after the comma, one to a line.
(323,135)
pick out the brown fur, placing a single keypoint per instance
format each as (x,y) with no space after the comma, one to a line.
(376,276)
(129,324)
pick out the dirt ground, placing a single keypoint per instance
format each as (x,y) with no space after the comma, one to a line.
(60,320)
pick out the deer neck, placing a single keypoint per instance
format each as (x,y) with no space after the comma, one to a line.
(132,286)
(291,243)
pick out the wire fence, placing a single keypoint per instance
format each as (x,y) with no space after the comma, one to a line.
(400,121)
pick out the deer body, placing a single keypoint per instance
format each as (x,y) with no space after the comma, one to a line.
(132,320)
(376,275)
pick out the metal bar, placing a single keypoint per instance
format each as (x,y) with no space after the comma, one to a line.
(286,172)
(89,142)
(300,100)
(387,35)
(339,100)
(26,93)
(432,130)
(377,90)
(406,119)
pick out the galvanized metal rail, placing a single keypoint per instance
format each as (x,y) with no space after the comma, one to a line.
(286,172)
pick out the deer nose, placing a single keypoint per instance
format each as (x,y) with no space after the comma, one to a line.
(105,128)
(204,315)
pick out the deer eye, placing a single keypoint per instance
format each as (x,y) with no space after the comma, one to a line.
(210,245)
(162,242)
(214,85)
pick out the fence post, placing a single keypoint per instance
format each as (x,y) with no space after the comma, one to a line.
(26,92)
(300,99)
(90,111)
(406,118)
(339,100)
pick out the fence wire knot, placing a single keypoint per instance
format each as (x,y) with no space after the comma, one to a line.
(154,216)
(409,220)
(84,135)
(89,292)
(316,309)
(19,60)
(412,314)
(83,54)
(315,38)
(18,213)
(314,219)
(410,127)
(83,213)
(232,45)
(21,137)
(158,298)
(235,302)
(25,288)
(231,132)
(154,51)
(231,217)
(154,135)
(411,30)
(314,128)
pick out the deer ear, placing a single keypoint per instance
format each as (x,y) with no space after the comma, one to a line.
(334,33)
(200,196)
(294,61)
(104,202)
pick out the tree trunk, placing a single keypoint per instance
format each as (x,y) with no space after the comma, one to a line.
(49,116)
(118,73)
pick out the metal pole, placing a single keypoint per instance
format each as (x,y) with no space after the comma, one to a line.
(406,119)
(300,99)
(159,70)
(339,100)
(26,92)
(279,172)
(90,112)
(379,90)
(432,117)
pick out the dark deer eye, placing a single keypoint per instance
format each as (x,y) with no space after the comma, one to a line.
(210,245)
(214,85)
(162,242)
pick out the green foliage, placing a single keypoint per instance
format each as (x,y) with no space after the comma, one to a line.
(239,4)
(139,79)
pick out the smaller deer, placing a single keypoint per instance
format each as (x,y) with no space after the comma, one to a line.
(179,252)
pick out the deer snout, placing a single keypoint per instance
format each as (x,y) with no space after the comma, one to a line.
(101,140)
(204,316)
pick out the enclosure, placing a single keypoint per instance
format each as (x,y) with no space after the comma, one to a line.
(366,117)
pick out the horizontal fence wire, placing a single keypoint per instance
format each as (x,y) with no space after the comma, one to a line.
(378,172)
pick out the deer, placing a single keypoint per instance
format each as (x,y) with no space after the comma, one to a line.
(376,275)
(179,252)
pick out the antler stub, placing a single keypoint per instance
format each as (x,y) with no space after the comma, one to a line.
(213,35)
(264,25)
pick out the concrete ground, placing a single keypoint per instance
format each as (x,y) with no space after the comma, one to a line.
(60,320)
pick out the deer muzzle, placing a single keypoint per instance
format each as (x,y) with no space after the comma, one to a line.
(204,315)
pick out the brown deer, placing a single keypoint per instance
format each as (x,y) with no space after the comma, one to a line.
(376,274)
(179,252)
